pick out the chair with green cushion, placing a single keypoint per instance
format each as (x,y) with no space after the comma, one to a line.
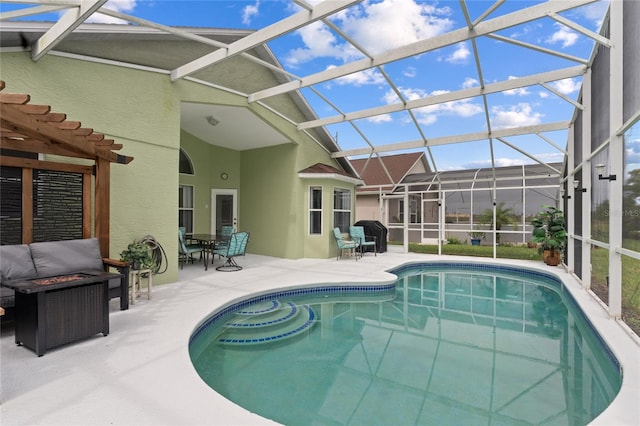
(186,251)
(237,246)
(344,245)
(358,235)
(222,239)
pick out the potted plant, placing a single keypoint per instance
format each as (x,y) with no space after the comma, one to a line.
(550,233)
(476,237)
(138,256)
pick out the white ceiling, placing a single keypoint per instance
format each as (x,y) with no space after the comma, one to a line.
(238,128)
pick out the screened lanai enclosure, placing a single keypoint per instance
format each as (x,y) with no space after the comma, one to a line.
(493,153)
(458,205)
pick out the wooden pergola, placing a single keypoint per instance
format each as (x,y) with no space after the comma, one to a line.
(31,128)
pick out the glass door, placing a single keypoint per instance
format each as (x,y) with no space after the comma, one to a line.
(224,209)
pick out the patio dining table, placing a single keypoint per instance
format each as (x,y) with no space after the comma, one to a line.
(208,241)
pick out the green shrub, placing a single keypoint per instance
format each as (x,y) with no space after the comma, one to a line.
(454,240)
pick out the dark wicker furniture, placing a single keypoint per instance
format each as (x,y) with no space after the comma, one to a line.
(53,314)
(61,290)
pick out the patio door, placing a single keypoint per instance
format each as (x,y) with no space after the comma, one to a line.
(224,209)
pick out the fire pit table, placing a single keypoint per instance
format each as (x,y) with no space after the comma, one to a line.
(54,311)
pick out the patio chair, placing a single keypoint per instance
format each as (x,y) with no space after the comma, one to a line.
(344,245)
(237,246)
(357,235)
(186,251)
(222,240)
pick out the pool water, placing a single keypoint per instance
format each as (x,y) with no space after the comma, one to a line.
(449,345)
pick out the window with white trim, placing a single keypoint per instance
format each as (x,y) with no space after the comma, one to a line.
(413,210)
(315,210)
(185,208)
(342,209)
(185,165)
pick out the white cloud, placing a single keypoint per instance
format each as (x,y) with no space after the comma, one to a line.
(319,41)
(632,154)
(566,36)
(376,26)
(249,11)
(470,82)
(429,114)
(499,162)
(382,118)
(410,72)
(521,91)
(360,78)
(595,12)
(123,6)
(567,85)
(525,30)
(515,116)
(506,162)
(460,55)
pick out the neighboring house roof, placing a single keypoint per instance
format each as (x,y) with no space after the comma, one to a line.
(372,171)
(320,170)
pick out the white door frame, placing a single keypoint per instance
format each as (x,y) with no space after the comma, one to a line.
(214,193)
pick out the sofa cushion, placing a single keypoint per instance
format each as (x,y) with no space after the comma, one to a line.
(66,257)
(16,263)
(7,297)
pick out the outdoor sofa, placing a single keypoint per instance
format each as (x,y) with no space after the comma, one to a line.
(54,258)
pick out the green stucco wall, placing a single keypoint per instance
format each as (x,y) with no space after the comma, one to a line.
(135,108)
(208,163)
(141,111)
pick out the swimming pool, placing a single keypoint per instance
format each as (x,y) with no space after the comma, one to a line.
(446,344)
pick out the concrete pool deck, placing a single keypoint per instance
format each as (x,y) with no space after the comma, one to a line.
(141,374)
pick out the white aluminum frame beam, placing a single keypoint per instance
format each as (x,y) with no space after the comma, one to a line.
(445,140)
(426,45)
(264,35)
(65,26)
(451,96)
(533,157)
(582,30)
(30,11)
(190,36)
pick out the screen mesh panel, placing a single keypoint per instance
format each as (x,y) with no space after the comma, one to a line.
(57,205)
(10,205)
(631,101)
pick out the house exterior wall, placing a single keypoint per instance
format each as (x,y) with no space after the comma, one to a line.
(274,201)
(141,110)
(208,161)
(368,207)
(136,108)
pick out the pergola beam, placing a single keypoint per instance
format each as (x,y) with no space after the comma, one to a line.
(426,45)
(33,128)
(262,36)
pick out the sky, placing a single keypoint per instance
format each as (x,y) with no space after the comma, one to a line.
(379,25)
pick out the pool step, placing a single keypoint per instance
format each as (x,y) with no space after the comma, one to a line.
(266,324)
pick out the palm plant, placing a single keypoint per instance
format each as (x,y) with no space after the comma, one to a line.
(504,216)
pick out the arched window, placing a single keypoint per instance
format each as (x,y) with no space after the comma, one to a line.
(186,166)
